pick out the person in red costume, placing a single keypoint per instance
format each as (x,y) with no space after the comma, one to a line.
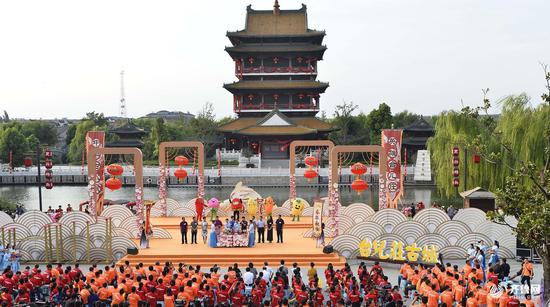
(199,207)
(237,207)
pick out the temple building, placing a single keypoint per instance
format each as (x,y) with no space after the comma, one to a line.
(277,95)
(415,137)
(127,135)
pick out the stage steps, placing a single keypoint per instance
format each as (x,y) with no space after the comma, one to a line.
(422,168)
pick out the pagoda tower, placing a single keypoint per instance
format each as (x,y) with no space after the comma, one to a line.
(277,95)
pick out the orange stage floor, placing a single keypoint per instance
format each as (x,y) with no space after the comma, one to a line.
(295,248)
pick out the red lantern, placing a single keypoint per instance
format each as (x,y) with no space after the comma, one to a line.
(310,174)
(27,162)
(276,97)
(180,173)
(48,164)
(301,96)
(310,161)
(359,168)
(48,185)
(113,184)
(181,160)
(456,151)
(250,97)
(456,172)
(276,60)
(115,169)
(477,159)
(456,162)
(300,59)
(251,60)
(456,182)
(48,174)
(359,185)
(48,154)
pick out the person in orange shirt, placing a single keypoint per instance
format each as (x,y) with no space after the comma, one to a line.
(133,298)
(481,295)
(184,295)
(471,301)
(420,302)
(117,298)
(527,273)
(447,296)
(85,294)
(433,297)
(467,268)
(459,291)
(103,293)
(169,298)
(528,302)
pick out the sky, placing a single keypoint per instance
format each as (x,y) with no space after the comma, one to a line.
(62,58)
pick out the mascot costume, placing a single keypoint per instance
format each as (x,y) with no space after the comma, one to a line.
(237,207)
(251,207)
(269,204)
(297,209)
(214,205)
(199,207)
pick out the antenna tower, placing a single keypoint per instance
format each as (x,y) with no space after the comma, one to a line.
(122,99)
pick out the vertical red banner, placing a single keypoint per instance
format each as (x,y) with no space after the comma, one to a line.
(96,139)
(391,142)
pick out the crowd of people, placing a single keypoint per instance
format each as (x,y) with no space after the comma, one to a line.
(57,214)
(171,285)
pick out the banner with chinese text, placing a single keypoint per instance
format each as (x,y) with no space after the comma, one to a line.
(96,139)
(391,142)
(398,251)
(317,217)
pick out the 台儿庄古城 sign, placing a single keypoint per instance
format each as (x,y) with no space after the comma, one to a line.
(398,251)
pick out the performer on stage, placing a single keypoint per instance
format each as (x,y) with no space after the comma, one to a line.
(214,236)
(261,229)
(237,207)
(270,229)
(204,229)
(251,234)
(143,241)
(194,230)
(183,230)
(199,207)
(279,227)
(244,225)
(269,203)
(214,205)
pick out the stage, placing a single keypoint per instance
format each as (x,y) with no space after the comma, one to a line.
(295,248)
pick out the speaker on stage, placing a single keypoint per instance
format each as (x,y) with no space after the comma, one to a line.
(328,249)
(132,251)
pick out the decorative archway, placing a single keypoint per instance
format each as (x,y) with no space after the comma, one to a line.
(292,162)
(95,183)
(163,193)
(334,196)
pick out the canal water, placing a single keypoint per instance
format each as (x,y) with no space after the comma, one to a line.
(74,195)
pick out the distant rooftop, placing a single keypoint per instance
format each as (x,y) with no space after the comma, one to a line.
(170,114)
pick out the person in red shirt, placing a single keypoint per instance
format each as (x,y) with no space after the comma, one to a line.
(302,296)
(355,297)
(23,297)
(334,296)
(222,295)
(151,298)
(237,298)
(277,295)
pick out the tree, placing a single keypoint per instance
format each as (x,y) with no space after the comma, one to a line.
(377,120)
(45,132)
(12,140)
(518,144)
(404,119)
(98,118)
(203,128)
(78,143)
(343,121)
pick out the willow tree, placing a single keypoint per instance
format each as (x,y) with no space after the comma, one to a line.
(517,148)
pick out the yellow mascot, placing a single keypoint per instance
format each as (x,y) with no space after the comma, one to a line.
(297,208)
(251,207)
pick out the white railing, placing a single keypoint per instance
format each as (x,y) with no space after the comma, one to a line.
(67,170)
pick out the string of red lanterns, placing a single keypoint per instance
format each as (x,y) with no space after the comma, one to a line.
(310,173)
(359,185)
(456,170)
(114,183)
(48,174)
(181,161)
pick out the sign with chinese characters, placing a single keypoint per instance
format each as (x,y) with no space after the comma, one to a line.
(398,251)
(317,217)
(96,139)
(391,141)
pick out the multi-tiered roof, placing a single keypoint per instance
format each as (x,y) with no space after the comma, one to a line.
(276,59)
